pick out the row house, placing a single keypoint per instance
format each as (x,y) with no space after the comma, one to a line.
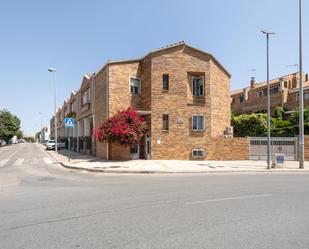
(182,92)
(283,90)
(79,106)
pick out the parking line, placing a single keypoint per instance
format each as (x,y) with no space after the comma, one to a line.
(229,199)
(19,162)
(47,160)
(3,162)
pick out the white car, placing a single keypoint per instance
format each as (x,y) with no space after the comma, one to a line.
(50,145)
(2,143)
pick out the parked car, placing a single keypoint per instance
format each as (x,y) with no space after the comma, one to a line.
(50,145)
(2,143)
(21,141)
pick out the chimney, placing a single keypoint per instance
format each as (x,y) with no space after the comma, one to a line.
(252,82)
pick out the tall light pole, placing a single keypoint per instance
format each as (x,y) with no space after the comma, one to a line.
(267,33)
(52,70)
(40,113)
(301,93)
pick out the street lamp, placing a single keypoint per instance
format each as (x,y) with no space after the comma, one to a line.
(52,70)
(40,114)
(267,33)
(301,93)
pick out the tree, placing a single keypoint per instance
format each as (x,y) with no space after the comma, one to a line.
(126,128)
(294,118)
(250,125)
(279,113)
(9,125)
(19,134)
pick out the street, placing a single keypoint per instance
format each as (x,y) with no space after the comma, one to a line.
(43,205)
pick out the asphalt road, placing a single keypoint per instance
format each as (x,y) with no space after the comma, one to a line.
(43,205)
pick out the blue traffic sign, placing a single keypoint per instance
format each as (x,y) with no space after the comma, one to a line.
(69,122)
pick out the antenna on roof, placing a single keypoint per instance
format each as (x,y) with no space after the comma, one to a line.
(294,65)
(253,70)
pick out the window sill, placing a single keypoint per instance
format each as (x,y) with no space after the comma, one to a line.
(165,131)
(165,91)
(198,130)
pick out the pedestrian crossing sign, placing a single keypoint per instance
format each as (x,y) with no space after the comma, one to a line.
(69,122)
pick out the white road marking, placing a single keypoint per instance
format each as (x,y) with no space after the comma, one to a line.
(34,161)
(3,162)
(47,160)
(229,199)
(19,162)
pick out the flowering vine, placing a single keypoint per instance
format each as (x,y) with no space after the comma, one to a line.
(126,128)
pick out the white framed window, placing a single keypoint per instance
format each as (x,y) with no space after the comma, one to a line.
(135,85)
(306,96)
(86,97)
(198,153)
(198,122)
(197,86)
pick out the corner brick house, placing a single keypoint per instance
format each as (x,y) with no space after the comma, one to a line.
(182,92)
(284,93)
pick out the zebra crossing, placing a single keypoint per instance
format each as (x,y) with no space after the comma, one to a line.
(25,161)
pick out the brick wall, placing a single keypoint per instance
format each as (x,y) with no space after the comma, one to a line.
(181,64)
(228,149)
(101,107)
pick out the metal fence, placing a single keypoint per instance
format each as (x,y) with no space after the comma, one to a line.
(285,145)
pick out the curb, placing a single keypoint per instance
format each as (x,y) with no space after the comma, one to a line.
(178,172)
(173,172)
(49,155)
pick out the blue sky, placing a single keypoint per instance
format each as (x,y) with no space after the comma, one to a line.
(79,36)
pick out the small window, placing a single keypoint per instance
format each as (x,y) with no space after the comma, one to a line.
(274,90)
(135,85)
(260,93)
(197,86)
(198,153)
(165,82)
(265,92)
(134,149)
(198,122)
(86,97)
(241,98)
(165,122)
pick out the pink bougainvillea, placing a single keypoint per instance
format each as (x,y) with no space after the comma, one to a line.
(126,128)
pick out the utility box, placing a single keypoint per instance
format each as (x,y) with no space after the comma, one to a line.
(278,160)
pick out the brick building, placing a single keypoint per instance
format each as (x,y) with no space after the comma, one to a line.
(182,92)
(284,93)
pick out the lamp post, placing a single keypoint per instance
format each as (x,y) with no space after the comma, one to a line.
(52,70)
(301,93)
(40,114)
(267,33)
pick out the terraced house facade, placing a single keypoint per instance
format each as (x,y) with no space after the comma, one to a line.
(284,93)
(182,92)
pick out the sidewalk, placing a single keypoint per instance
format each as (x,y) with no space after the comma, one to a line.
(94,164)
